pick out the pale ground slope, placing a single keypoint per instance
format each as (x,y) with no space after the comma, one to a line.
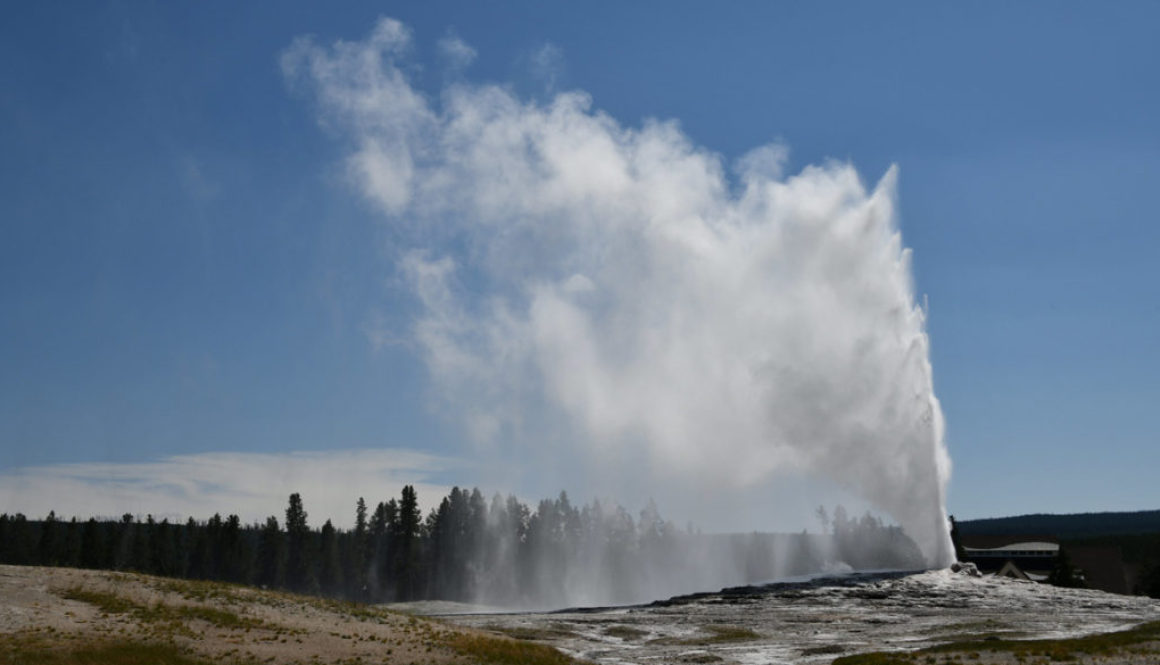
(65,617)
(817,622)
(60,615)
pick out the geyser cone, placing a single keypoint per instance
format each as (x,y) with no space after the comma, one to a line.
(612,291)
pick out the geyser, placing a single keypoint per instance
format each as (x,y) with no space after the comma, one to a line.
(617,290)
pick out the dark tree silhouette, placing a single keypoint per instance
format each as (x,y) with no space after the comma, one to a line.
(271,571)
(330,568)
(92,545)
(163,549)
(48,549)
(1064,574)
(408,566)
(299,560)
(71,555)
(357,553)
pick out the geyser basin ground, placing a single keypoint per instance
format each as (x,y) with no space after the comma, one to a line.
(818,621)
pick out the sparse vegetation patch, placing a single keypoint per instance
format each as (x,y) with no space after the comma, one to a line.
(1143,640)
(23,651)
(625,632)
(499,651)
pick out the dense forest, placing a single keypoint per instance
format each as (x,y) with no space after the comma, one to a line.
(496,552)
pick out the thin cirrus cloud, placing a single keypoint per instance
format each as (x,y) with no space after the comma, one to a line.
(455,52)
(251,485)
(591,291)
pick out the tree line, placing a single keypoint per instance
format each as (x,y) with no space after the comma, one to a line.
(468,548)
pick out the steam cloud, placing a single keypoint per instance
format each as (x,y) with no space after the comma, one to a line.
(615,291)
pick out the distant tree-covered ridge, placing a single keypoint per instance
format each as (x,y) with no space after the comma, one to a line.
(1070,526)
(467,548)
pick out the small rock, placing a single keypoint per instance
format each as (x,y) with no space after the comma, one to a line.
(968,569)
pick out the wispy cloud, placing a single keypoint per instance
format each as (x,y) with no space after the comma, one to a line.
(455,52)
(547,65)
(252,485)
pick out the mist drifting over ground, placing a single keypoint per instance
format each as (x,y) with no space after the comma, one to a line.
(608,293)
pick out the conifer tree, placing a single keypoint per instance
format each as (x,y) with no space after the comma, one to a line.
(299,560)
(91,545)
(271,571)
(139,559)
(233,552)
(356,565)
(330,569)
(49,546)
(407,563)
(71,553)
(163,549)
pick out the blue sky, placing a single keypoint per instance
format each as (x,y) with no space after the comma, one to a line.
(185,269)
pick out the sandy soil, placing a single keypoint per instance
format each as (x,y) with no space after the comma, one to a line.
(815,622)
(222,622)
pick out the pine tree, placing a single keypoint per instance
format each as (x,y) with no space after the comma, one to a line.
(121,546)
(233,552)
(330,570)
(163,546)
(360,545)
(139,559)
(407,544)
(271,571)
(299,560)
(92,545)
(71,554)
(21,545)
(47,550)
(199,549)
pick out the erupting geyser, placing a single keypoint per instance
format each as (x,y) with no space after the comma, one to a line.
(621,281)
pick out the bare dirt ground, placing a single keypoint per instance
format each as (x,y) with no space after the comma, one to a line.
(46,609)
(819,621)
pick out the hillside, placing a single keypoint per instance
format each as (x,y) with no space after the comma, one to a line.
(66,616)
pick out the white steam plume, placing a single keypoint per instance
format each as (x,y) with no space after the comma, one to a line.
(619,281)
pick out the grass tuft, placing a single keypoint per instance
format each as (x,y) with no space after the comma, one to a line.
(108,603)
(499,651)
